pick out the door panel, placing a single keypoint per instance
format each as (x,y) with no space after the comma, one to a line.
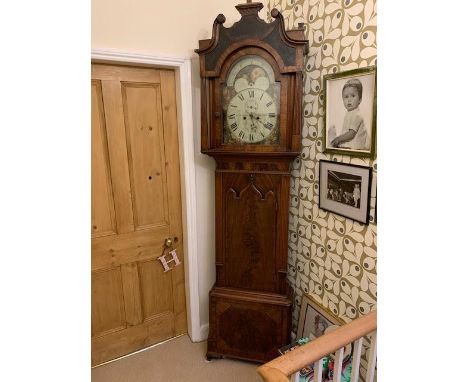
(102,208)
(156,299)
(145,148)
(121,249)
(107,302)
(132,293)
(136,206)
(115,129)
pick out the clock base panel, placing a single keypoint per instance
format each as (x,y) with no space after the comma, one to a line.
(248,325)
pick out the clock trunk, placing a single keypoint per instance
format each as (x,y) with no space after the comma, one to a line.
(250,304)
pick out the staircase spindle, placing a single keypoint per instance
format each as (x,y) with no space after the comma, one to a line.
(338,364)
(357,349)
(318,369)
(372,358)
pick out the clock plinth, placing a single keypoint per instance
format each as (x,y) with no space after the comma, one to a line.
(251,122)
(248,325)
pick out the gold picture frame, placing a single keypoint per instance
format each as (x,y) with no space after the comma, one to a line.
(334,111)
(314,319)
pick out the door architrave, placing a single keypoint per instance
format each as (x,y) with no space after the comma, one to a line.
(182,67)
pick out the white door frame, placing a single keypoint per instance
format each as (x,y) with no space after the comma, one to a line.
(182,67)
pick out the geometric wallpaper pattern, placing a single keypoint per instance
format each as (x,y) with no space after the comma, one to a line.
(331,257)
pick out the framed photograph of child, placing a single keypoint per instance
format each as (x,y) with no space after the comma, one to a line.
(345,189)
(350,112)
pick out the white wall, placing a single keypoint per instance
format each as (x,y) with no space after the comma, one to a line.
(169,28)
(172,28)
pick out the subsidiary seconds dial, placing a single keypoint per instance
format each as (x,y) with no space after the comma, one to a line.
(251,115)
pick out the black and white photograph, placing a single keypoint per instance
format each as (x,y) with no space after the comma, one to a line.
(345,189)
(350,112)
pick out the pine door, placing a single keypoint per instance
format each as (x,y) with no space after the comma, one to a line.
(136,205)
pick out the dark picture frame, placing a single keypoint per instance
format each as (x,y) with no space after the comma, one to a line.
(345,189)
(338,120)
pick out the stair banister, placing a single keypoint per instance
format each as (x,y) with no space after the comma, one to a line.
(280,368)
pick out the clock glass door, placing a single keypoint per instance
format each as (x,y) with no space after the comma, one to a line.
(251,104)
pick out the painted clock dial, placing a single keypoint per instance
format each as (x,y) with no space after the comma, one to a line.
(251,103)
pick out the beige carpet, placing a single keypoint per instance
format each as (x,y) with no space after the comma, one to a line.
(175,360)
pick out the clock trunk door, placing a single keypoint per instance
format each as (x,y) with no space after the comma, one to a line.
(252,225)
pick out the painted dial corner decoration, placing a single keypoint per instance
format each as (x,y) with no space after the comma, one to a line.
(251,103)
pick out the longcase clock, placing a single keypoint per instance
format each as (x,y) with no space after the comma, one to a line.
(251,124)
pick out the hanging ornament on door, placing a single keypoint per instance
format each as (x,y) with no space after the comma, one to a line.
(172,253)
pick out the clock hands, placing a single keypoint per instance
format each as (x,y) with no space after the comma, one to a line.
(255,117)
(258,116)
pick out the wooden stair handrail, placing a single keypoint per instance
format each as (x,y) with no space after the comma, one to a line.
(278,369)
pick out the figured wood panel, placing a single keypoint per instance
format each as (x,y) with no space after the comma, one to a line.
(135,303)
(107,302)
(102,200)
(145,148)
(251,231)
(248,325)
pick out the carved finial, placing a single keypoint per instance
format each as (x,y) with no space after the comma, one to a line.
(220,19)
(249,8)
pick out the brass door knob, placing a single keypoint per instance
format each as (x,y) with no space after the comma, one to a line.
(168,242)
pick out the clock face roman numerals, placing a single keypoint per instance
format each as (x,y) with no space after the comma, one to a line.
(251,115)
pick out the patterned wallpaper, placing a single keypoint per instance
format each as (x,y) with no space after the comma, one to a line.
(330,257)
